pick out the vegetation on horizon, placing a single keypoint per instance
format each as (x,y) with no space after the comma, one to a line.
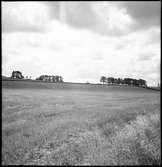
(17,75)
(125,81)
(50,78)
(103,79)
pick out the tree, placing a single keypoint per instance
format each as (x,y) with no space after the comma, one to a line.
(57,78)
(110,80)
(119,81)
(115,80)
(17,75)
(103,79)
(128,81)
(61,79)
(142,83)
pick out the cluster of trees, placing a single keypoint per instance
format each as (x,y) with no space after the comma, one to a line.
(103,79)
(17,75)
(50,78)
(125,81)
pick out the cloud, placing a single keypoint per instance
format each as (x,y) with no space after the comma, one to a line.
(145,56)
(100,17)
(23,16)
(145,13)
(105,18)
(53,8)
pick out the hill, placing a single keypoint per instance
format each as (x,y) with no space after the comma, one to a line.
(5,77)
(34,84)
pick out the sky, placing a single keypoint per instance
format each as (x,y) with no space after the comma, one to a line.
(82,40)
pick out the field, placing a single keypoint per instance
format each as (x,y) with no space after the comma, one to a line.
(79,124)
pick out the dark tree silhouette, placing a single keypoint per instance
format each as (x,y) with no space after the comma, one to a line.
(50,78)
(103,79)
(127,81)
(17,75)
(110,80)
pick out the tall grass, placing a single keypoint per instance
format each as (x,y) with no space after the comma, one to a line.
(111,142)
(135,143)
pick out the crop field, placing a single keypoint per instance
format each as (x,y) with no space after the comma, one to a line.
(79,124)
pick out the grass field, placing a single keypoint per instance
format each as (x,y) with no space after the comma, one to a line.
(79,124)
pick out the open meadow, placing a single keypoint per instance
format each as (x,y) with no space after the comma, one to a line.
(79,124)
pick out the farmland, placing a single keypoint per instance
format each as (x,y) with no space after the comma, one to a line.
(79,124)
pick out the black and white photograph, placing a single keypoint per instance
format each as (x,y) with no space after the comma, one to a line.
(81,83)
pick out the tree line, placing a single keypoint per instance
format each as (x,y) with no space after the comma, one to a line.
(48,78)
(103,79)
(125,81)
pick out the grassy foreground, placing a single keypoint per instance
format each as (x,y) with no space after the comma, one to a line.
(53,124)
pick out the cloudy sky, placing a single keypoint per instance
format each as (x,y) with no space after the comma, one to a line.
(82,41)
